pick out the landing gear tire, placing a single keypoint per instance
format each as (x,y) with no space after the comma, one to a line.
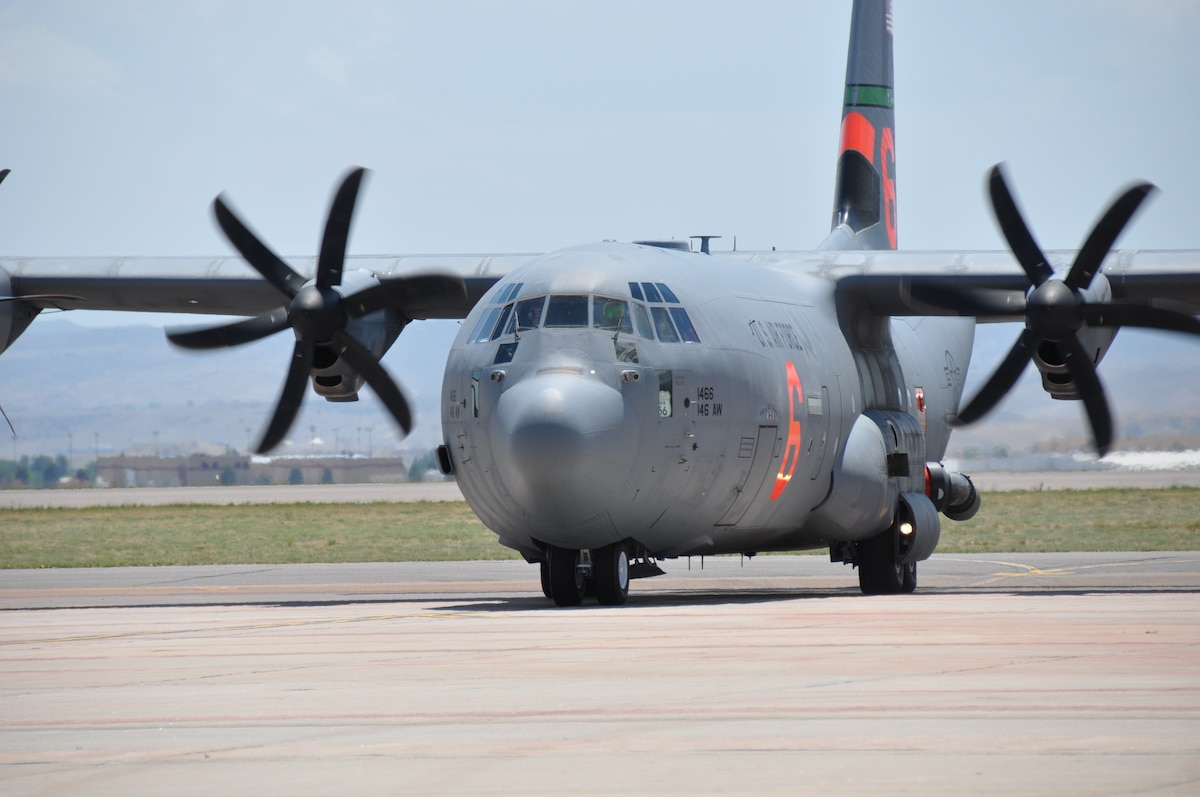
(544,570)
(567,582)
(878,571)
(610,574)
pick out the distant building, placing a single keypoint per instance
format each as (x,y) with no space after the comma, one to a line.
(201,470)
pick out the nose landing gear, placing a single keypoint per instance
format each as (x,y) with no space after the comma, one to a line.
(568,574)
(565,573)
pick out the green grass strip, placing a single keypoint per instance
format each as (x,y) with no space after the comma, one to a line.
(1091,520)
(244,534)
(1080,520)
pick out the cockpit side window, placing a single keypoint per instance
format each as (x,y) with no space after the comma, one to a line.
(663,325)
(494,319)
(529,313)
(509,293)
(567,311)
(643,321)
(499,329)
(671,321)
(667,294)
(652,294)
(487,322)
(684,324)
(612,314)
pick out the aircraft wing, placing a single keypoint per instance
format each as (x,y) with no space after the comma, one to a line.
(225,285)
(988,285)
(1070,315)
(881,282)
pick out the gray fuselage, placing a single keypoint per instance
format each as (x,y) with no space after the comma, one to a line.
(719,430)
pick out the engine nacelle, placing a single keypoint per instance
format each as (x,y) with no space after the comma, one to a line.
(1056,378)
(332,377)
(15,316)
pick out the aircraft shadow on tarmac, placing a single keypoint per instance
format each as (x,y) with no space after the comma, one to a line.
(762,596)
(532,602)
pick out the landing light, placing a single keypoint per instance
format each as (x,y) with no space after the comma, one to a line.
(906,529)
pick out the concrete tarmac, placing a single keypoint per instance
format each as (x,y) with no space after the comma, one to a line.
(1033,674)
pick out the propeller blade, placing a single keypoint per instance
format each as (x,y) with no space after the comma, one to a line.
(1088,381)
(256,253)
(290,398)
(1020,239)
(337,230)
(380,381)
(984,303)
(234,334)
(415,296)
(1000,383)
(1104,235)
(1130,314)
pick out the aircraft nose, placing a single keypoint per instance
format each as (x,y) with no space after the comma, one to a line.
(563,447)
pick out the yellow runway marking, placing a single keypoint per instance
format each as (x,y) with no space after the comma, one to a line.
(1025,571)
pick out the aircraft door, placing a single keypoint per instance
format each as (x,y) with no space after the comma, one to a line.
(760,451)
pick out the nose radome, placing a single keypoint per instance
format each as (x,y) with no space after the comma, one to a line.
(562,445)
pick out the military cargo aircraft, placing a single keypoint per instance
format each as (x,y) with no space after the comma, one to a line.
(609,406)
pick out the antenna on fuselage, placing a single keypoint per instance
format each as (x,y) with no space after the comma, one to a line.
(704,239)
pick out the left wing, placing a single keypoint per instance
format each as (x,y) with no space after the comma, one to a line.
(1071,313)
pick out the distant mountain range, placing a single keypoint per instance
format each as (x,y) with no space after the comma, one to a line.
(69,388)
(82,390)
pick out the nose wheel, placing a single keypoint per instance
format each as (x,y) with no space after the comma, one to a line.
(567,577)
(610,574)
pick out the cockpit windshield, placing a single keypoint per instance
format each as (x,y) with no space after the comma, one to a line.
(612,314)
(567,311)
(655,313)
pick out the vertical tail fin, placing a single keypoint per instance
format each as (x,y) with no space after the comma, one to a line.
(865,191)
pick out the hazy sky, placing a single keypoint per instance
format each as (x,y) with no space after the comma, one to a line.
(527,126)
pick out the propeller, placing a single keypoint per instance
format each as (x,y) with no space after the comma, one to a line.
(1056,309)
(316,312)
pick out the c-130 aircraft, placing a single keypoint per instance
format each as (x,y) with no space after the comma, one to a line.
(609,406)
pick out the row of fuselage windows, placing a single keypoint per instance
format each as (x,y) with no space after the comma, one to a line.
(664,319)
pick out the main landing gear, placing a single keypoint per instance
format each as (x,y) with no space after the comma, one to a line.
(887,562)
(568,574)
(879,572)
